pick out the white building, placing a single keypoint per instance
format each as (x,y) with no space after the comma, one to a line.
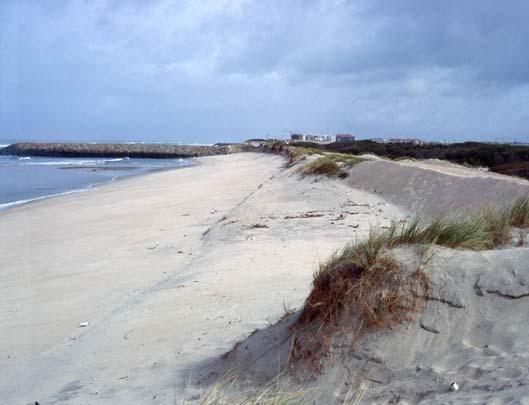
(312,138)
(412,141)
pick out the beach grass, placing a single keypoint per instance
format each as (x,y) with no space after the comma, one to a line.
(228,392)
(322,166)
(485,229)
(363,286)
(331,165)
(363,283)
(297,153)
(519,213)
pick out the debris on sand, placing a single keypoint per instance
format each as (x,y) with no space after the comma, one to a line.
(328,340)
(305,215)
(258,226)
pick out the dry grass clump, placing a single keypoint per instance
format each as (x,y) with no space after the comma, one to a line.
(364,282)
(294,153)
(323,166)
(343,158)
(360,289)
(519,213)
(331,164)
(297,153)
(227,392)
(363,287)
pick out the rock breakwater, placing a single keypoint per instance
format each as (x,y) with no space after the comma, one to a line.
(153,151)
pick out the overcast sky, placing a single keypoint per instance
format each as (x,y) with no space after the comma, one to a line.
(223,70)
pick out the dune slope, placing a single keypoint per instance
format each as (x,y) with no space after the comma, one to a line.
(472,332)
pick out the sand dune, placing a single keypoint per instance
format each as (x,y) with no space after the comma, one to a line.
(434,187)
(472,332)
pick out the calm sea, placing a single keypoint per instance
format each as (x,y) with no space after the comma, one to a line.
(24,179)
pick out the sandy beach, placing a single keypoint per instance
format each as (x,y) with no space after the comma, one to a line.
(245,202)
(169,269)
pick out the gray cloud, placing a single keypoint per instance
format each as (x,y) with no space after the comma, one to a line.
(201,71)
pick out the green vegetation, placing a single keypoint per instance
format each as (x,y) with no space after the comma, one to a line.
(295,154)
(323,166)
(519,213)
(506,159)
(482,230)
(328,164)
(344,159)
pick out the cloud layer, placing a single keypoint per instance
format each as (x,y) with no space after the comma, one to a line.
(202,71)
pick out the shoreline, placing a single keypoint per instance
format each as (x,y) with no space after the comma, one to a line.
(7,206)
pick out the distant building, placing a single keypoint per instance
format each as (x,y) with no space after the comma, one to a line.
(312,138)
(412,141)
(377,140)
(345,138)
(255,142)
(297,137)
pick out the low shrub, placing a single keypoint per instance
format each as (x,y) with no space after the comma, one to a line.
(323,166)
(330,164)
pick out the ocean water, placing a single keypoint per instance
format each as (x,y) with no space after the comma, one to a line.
(26,179)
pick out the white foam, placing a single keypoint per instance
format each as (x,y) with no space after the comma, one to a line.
(151,143)
(72,162)
(4,206)
(20,202)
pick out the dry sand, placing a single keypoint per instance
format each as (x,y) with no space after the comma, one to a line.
(472,332)
(172,269)
(433,187)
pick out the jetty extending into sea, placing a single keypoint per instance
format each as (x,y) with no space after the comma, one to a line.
(133,150)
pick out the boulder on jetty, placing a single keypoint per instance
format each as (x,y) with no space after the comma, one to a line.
(155,151)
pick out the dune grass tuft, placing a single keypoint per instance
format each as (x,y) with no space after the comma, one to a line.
(323,166)
(481,230)
(331,165)
(344,159)
(228,392)
(519,213)
(363,287)
(297,153)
